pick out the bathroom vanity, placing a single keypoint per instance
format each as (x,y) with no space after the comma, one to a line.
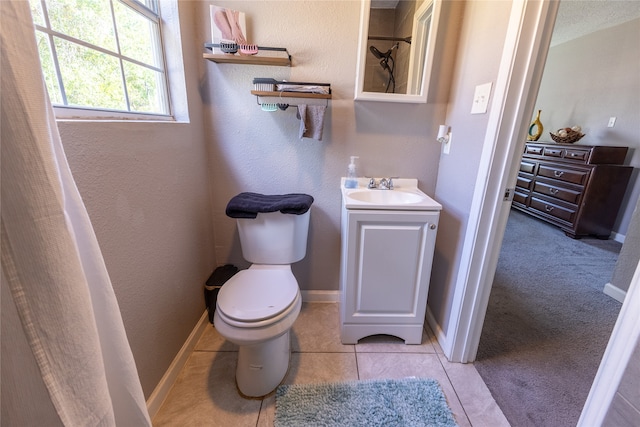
(388,239)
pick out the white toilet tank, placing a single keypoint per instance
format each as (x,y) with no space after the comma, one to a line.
(274,237)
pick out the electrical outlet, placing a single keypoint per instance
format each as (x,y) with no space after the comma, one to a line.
(612,122)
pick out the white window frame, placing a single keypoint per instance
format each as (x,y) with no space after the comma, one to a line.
(74,112)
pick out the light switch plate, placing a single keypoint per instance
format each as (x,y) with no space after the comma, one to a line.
(481,98)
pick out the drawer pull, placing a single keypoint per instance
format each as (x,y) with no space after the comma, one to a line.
(558,174)
(553,191)
(548,208)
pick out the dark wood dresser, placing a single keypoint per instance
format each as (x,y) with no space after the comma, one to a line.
(579,188)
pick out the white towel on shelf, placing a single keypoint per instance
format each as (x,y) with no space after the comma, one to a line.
(293,87)
(311,121)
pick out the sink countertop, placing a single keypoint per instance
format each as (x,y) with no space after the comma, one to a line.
(400,185)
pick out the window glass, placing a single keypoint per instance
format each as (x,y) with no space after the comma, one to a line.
(137,35)
(102,54)
(36,12)
(142,86)
(48,68)
(91,78)
(87,20)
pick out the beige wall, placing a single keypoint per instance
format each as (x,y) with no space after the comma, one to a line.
(588,80)
(629,254)
(625,407)
(146,188)
(253,150)
(156,193)
(481,40)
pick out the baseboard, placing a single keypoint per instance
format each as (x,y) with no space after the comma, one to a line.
(614,292)
(320,296)
(618,237)
(437,330)
(161,391)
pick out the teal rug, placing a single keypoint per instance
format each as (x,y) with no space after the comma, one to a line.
(404,402)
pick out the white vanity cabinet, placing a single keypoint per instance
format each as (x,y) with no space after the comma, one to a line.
(385,271)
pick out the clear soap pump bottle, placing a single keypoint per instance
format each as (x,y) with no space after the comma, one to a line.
(352,175)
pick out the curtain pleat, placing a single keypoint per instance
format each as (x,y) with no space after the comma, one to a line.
(52,266)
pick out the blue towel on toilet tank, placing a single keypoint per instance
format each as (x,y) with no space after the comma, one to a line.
(248,205)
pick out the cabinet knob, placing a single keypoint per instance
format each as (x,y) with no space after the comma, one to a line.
(432,226)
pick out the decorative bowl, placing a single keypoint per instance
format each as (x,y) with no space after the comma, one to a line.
(572,136)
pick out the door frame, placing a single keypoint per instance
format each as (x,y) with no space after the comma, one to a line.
(526,46)
(524,54)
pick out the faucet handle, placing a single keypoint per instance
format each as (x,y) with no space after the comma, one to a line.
(391,178)
(372,183)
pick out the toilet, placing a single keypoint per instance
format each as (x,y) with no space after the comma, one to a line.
(257,307)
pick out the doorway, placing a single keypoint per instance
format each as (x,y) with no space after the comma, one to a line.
(463,348)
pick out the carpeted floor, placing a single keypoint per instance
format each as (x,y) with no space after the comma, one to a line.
(548,322)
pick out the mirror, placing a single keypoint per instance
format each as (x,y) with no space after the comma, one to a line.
(395,54)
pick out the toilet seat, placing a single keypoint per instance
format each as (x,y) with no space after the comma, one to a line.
(258,296)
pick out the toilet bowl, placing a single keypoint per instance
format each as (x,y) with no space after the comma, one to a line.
(257,307)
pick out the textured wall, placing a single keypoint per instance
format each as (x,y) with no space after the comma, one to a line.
(253,150)
(625,407)
(146,188)
(588,80)
(629,254)
(478,57)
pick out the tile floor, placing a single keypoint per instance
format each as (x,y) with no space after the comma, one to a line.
(205,393)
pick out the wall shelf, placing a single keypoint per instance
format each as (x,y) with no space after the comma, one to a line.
(291,94)
(225,58)
(262,58)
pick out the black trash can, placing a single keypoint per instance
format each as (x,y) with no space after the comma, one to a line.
(213,285)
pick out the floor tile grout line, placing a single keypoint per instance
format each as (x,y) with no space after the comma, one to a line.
(454,389)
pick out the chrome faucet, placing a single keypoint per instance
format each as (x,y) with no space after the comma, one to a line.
(384,184)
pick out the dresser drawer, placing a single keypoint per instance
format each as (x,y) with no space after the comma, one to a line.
(524,182)
(577,154)
(520,198)
(553,152)
(561,193)
(527,167)
(532,149)
(553,209)
(563,174)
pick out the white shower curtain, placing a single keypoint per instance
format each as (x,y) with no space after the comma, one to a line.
(65,356)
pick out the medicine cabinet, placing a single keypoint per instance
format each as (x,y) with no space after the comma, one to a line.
(396,50)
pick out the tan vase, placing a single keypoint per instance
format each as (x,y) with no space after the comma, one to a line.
(537,124)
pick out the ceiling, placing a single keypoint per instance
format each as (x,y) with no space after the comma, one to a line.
(577,18)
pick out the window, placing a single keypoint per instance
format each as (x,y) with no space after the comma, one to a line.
(102,54)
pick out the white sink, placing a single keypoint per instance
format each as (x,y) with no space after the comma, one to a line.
(405,196)
(389,197)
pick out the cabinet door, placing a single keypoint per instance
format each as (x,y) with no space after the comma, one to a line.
(388,265)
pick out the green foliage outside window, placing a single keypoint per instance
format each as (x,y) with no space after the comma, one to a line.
(101,54)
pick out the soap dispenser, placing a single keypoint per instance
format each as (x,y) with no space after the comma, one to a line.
(352,176)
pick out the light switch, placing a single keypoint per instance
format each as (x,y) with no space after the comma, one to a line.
(612,122)
(481,98)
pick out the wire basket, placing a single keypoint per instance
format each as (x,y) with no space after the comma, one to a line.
(572,136)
